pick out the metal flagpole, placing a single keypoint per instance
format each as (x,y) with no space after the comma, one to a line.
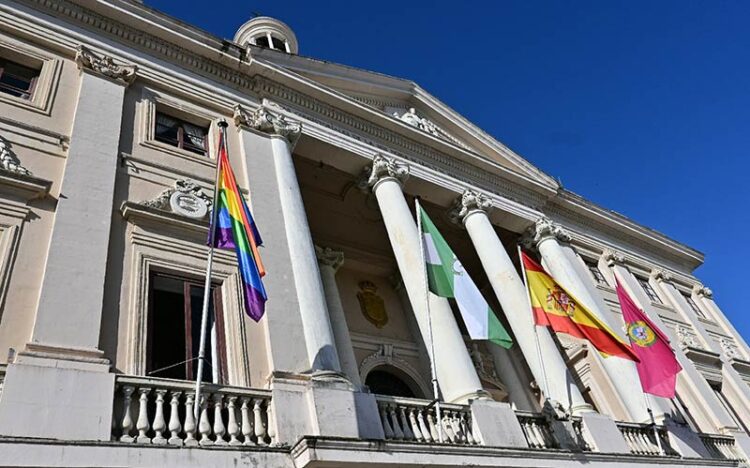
(207,284)
(433,369)
(536,332)
(653,423)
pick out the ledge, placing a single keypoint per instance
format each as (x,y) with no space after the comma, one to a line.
(138,213)
(26,187)
(329,451)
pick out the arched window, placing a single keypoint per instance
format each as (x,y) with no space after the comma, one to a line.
(387,380)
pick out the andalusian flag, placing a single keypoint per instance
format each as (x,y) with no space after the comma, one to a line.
(447,278)
(235,229)
(554,307)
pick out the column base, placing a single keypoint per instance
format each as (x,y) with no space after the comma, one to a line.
(580,410)
(472,396)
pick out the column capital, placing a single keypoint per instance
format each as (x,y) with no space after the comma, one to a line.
(470,202)
(105,66)
(661,275)
(613,258)
(266,121)
(702,291)
(543,229)
(382,168)
(329,257)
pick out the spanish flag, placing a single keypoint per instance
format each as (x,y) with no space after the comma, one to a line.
(554,307)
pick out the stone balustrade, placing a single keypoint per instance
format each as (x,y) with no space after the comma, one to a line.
(537,430)
(415,420)
(721,447)
(642,440)
(160,411)
(2,377)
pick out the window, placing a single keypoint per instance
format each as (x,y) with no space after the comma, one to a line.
(16,79)
(386,380)
(174,330)
(596,273)
(716,387)
(181,134)
(694,306)
(278,44)
(262,41)
(649,290)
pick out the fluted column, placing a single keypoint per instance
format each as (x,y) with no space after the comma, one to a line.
(471,209)
(286,212)
(691,386)
(455,371)
(622,373)
(330,261)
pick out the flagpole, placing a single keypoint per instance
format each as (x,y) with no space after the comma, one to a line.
(536,332)
(209,265)
(653,423)
(433,369)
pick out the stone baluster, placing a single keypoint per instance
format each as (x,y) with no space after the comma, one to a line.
(398,433)
(466,426)
(415,425)
(270,424)
(406,424)
(174,419)
(450,434)
(127,417)
(232,427)
(423,426)
(260,426)
(457,429)
(247,422)
(219,428)
(387,430)
(190,439)
(160,424)
(142,424)
(204,427)
(433,428)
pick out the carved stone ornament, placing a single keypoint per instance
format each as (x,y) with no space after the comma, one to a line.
(661,275)
(703,291)
(613,258)
(729,348)
(105,65)
(687,337)
(382,168)
(266,121)
(186,198)
(484,364)
(371,304)
(329,257)
(412,118)
(9,161)
(544,228)
(469,202)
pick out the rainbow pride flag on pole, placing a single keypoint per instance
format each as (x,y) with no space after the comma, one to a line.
(235,229)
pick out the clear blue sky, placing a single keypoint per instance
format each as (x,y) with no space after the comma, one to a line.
(640,106)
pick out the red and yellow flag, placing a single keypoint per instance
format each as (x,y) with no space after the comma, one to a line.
(554,307)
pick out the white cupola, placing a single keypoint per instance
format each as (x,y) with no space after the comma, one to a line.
(267,32)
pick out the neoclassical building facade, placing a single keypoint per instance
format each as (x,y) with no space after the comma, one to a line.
(109,115)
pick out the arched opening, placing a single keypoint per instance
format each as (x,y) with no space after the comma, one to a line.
(388,380)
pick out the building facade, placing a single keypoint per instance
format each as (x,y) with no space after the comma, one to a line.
(109,115)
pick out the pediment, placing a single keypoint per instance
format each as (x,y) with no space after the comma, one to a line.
(412,107)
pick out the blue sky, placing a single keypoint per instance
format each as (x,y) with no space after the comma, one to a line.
(642,107)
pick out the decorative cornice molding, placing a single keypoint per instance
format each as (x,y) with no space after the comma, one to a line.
(9,162)
(105,66)
(612,258)
(661,275)
(687,337)
(729,348)
(329,257)
(471,201)
(266,121)
(382,168)
(544,229)
(703,291)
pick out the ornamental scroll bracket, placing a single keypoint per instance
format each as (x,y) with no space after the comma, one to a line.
(105,66)
(266,121)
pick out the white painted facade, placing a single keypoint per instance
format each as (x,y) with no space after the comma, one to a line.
(106,170)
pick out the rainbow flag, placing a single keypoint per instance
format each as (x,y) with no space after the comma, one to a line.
(557,309)
(235,229)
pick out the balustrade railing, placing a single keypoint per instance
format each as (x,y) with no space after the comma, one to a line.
(537,430)
(415,420)
(2,377)
(642,440)
(721,447)
(160,411)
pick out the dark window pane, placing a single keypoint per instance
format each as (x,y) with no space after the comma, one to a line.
(16,79)
(181,134)
(385,383)
(278,44)
(262,41)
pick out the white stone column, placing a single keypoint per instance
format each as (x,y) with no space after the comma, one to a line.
(329,262)
(311,301)
(691,386)
(69,313)
(455,371)
(622,372)
(511,292)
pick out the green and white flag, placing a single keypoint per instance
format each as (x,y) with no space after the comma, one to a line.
(447,278)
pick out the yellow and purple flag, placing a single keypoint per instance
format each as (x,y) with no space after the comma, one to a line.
(658,366)
(235,229)
(554,307)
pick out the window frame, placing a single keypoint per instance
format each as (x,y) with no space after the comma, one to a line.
(42,92)
(181,133)
(650,292)
(32,82)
